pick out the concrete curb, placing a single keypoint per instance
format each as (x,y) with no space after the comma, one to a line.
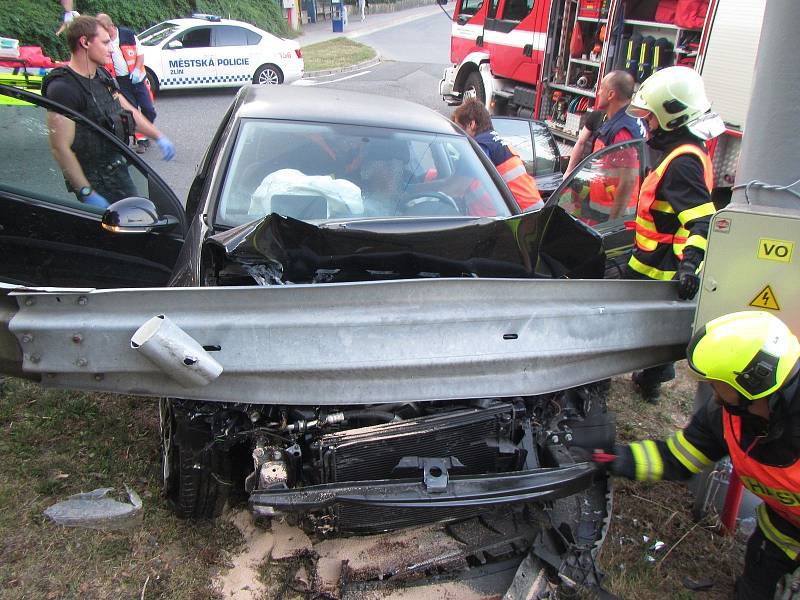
(364,64)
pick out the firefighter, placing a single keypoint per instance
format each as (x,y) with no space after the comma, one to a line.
(750,359)
(617,188)
(674,208)
(474,119)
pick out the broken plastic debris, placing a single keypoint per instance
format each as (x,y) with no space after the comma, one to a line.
(657,546)
(649,558)
(270,273)
(645,538)
(95,510)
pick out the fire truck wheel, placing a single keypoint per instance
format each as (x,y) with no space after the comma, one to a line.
(473,88)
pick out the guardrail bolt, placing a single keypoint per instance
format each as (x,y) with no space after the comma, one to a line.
(98,377)
(81,362)
(27,338)
(35,358)
(29,301)
(83,300)
(77,338)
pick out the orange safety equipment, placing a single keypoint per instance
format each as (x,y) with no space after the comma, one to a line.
(521,184)
(648,238)
(778,487)
(603,188)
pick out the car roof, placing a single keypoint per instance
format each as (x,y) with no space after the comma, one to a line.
(193,22)
(307,103)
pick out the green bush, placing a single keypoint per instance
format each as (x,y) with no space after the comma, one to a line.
(34,22)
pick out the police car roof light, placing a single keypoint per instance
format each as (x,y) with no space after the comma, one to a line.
(207,17)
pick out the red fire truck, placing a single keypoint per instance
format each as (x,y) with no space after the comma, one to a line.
(545,58)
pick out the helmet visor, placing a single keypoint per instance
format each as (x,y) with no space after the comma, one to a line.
(636,112)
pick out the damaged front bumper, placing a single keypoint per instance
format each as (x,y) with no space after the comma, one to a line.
(536,485)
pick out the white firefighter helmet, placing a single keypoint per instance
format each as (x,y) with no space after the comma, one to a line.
(677,98)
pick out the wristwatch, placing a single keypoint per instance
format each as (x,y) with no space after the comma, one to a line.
(85,191)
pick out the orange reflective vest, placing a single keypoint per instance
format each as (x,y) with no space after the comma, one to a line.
(647,237)
(522,185)
(127,44)
(603,191)
(778,487)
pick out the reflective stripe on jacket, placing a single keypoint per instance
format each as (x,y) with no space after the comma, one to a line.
(522,185)
(512,169)
(778,487)
(648,238)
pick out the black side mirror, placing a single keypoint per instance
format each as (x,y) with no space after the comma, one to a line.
(135,215)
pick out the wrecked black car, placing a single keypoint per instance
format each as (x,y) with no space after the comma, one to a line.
(289,195)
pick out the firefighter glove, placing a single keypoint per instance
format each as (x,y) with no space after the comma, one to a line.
(788,587)
(167,149)
(95,199)
(688,279)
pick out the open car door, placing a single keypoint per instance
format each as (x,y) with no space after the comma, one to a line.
(602,191)
(535,145)
(47,236)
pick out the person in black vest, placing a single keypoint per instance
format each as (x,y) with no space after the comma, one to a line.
(94,168)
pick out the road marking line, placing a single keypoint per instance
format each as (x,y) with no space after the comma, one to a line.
(309,82)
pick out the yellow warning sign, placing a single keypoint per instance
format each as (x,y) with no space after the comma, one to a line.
(780,250)
(765,299)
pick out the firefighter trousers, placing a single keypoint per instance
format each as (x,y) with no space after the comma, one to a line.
(764,565)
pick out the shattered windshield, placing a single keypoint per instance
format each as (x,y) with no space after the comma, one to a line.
(316,171)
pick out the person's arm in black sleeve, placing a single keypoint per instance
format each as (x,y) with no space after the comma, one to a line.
(66,94)
(684,454)
(683,187)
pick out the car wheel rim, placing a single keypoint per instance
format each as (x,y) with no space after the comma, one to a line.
(268,77)
(165,429)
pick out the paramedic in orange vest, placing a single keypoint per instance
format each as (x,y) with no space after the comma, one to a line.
(474,119)
(127,67)
(675,207)
(750,359)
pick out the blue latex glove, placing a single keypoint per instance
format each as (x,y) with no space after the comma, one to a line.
(95,199)
(167,149)
(137,76)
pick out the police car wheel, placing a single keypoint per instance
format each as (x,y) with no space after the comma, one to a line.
(268,75)
(153,81)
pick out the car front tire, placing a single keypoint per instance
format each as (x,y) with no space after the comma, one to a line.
(268,75)
(196,477)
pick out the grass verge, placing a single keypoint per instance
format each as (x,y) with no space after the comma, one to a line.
(335,54)
(55,444)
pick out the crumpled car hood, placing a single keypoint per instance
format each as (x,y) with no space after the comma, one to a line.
(544,244)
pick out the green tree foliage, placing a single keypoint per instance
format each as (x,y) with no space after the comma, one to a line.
(34,22)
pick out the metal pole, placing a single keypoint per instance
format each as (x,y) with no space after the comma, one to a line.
(771,144)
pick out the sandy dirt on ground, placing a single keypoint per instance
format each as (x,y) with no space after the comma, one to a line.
(364,557)
(242,582)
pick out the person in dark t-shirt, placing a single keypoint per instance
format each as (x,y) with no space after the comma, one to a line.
(93,166)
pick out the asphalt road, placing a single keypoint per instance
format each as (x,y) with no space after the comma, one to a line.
(414,56)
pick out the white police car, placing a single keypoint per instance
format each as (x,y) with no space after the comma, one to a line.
(208,51)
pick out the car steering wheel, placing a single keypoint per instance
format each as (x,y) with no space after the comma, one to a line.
(430,204)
